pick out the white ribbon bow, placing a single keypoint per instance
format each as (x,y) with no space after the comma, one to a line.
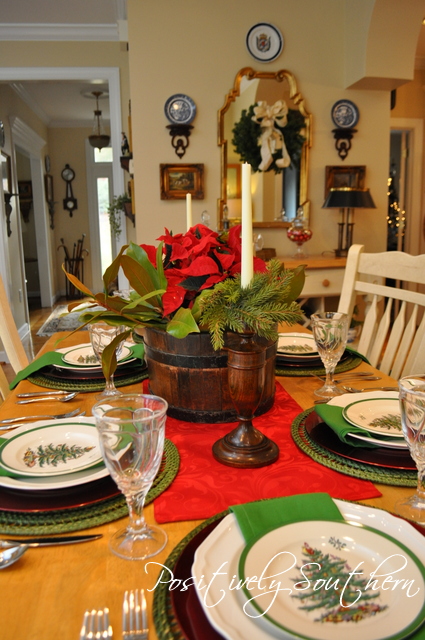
(271,139)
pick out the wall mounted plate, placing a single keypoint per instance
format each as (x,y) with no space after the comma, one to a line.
(180,109)
(264,42)
(345,114)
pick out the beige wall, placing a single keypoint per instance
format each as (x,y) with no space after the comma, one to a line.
(199,53)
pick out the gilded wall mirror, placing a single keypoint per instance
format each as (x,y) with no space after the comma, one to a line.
(274,137)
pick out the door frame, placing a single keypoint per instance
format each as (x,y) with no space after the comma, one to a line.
(112,75)
(414,240)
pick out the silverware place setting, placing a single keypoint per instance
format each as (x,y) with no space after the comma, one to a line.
(48,398)
(13,423)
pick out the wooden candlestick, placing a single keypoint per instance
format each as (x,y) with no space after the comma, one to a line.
(245,446)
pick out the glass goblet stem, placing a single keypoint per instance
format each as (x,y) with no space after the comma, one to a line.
(135,504)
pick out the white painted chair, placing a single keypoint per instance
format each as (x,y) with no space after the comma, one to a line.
(393,333)
(10,339)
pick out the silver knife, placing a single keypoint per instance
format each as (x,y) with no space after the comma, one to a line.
(33,394)
(46,541)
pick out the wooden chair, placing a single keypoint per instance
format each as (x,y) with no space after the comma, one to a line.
(10,338)
(393,333)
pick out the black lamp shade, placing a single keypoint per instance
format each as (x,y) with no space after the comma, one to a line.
(346,197)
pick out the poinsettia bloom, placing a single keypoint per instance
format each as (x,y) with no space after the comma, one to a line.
(151,251)
(172,299)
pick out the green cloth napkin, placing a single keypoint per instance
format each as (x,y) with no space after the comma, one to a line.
(255,518)
(339,425)
(53,357)
(357,354)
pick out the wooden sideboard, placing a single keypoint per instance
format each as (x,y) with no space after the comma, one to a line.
(324,276)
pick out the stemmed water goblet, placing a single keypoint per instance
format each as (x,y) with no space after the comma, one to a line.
(131,433)
(101,335)
(412,408)
(330,330)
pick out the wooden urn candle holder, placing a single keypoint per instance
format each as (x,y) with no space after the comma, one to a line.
(245,446)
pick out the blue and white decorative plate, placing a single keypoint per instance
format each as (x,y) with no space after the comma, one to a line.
(180,109)
(345,114)
(264,42)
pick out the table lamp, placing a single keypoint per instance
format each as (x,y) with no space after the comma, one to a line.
(346,199)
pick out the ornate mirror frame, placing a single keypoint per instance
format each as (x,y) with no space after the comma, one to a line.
(298,100)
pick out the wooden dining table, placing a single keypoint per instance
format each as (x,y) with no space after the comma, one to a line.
(44,595)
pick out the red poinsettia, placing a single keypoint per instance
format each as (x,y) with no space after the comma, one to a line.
(197,260)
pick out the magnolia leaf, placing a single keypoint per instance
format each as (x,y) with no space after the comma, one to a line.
(182,324)
(139,278)
(141,300)
(296,284)
(109,354)
(139,255)
(160,267)
(77,284)
(112,271)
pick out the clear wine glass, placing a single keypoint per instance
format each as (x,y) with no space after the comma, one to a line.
(330,330)
(101,335)
(131,432)
(412,407)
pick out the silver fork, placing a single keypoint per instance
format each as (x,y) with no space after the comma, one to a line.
(12,423)
(70,396)
(134,616)
(96,625)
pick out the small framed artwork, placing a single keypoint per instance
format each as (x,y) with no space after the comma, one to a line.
(6,174)
(48,185)
(338,177)
(25,189)
(179,179)
(233,181)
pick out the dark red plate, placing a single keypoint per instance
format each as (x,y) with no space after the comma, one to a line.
(187,610)
(69,498)
(323,435)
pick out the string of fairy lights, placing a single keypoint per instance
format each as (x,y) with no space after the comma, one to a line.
(396,218)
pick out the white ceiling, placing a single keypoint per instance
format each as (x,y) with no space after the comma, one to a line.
(61,103)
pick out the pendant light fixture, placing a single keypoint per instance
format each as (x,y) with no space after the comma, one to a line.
(98,139)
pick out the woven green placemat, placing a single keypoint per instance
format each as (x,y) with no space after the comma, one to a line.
(64,520)
(351,362)
(43,380)
(395,477)
(166,625)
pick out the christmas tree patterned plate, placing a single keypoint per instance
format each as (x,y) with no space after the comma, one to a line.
(82,357)
(396,443)
(375,415)
(297,345)
(52,449)
(323,580)
(217,557)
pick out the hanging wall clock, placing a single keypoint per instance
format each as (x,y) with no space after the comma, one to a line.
(69,202)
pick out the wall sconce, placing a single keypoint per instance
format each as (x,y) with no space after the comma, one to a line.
(345,116)
(98,139)
(8,211)
(346,200)
(180,110)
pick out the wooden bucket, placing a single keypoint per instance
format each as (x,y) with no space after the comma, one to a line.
(192,377)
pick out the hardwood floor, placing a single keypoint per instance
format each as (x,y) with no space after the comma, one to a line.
(33,344)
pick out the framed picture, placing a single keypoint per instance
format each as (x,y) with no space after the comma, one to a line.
(338,177)
(25,189)
(6,174)
(233,181)
(48,185)
(179,179)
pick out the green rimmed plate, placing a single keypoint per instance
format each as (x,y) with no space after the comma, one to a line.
(375,415)
(323,580)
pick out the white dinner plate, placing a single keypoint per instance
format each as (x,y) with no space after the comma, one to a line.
(297,344)
(37,483)
(218,556)
(54,449)
(307,586)
(395,443)
(375,415)
(70,357)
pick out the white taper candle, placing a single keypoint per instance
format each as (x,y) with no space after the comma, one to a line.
(247,266)
(188,210)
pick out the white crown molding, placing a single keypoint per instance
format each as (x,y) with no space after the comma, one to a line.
(60,32)
(24,136)
(29,100)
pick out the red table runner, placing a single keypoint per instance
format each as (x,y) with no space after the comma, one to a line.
(204,487)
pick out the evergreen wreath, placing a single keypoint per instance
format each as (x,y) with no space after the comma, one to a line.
(246,134)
